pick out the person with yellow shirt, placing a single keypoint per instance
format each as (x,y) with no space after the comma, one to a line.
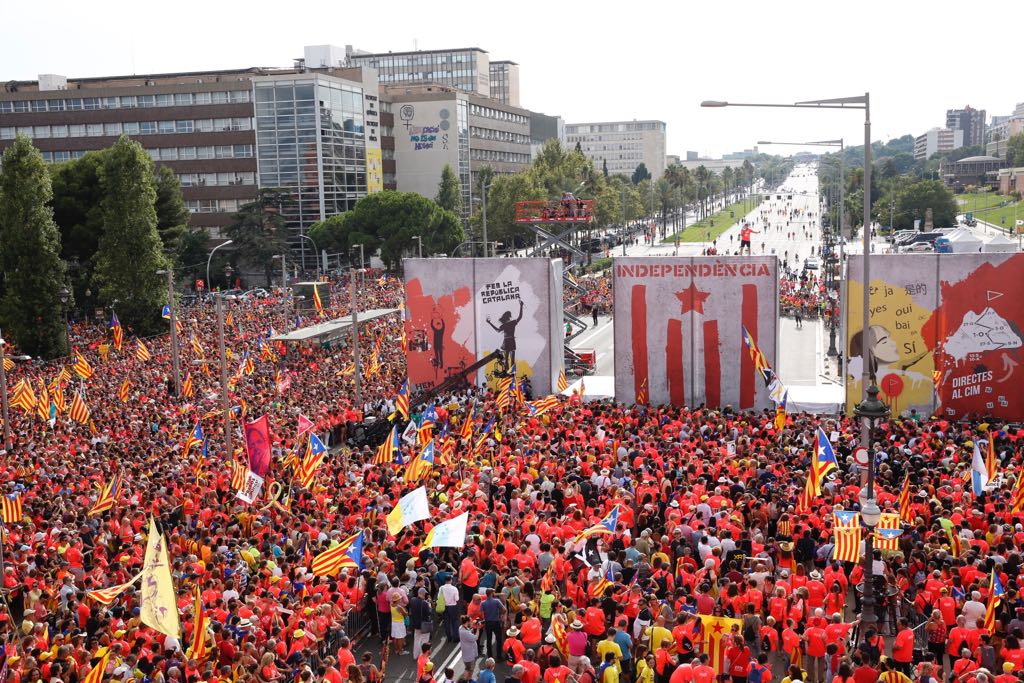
(657,635)
(609,646)
(609,671)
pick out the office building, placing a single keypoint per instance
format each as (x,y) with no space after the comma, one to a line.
(505,82)
(937,140)
(979,171)
(692,156)
(317,136)
(544,128)
(1002,129)
(622,145)
(971,121)
(714,165)
(466,69)
(672,160)
(199,124)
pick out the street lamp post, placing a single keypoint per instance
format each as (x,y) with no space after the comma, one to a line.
(357,374)
(419,245)
(222,352)
(65,295)
(175,359)
(870,411)
(316,255)
(210,258)
(855,102)
(484,188)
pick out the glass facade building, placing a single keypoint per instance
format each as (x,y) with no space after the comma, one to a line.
(466,69)
(310,140)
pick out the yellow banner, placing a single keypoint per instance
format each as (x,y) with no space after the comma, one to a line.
(159,609)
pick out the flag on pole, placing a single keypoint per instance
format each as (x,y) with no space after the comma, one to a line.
(994,598)
(412,507)
(390,451)
(563,383)
(847,536)
(106,596)
(97,673)
(905,500)
(79,411)
(187,388)
(108,495)
(466,432)
(1018,491)
(8,364)
(159,608)
(824,459)
(11,507)
(23,397)
(599,586)
(43,404)
(760,362)
(122,393)
(195,438)
(641,393)
(142,353)
(316,301)
(115,326)
(316,452)
(420,465)
(425,431)
(558,631)
(448,534)
(543,405)
(82,367)
(197,650)
(608,525)
(991,464)
(402,401)
(348,553)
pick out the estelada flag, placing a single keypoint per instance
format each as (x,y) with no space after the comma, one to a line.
(106,596)
(11,507)
(348,553)
(96,674)
(717,631)
(198,649)
(608,525)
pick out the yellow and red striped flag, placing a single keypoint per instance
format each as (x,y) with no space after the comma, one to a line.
(106,596)
(466,432)
(718,636)
(79,411)
(905,501)
(122,393)
(115,326)
(561,638)
(82,367)
(11,508)
(43,404)
(641,393)
(239,474)
(142,354)
(991,465)
(563,383)
(316,301)
(887,533)
(846,529)
(186,387)
(996,591)
(197,348)
(97,673)
(197,651)
(348,553)
(8,364)
(23,397)
(316,452)
(108,496)
(1018,492)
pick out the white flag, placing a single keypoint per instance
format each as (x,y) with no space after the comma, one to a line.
(449,534)
(412,507)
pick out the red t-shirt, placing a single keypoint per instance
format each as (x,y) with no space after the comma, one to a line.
(903,646)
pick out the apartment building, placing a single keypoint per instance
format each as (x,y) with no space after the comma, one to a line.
(621,145)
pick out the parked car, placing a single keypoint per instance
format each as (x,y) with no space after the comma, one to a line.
(812,263)
(232,294)
(257,293)
(917,248)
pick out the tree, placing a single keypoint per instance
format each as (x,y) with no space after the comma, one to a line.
(130,251)
(171,214)
(33,273)
(578,147)
(505,191)
(640,173)
(77,210)
(1015,150)
(387,221)
(913,201)
(192,254)
(604,167)
(449,191)
(259,230)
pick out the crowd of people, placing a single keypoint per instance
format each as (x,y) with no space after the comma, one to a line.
(606,543)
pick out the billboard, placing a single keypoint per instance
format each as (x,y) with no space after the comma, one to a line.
(460,310)
(678,328)
(945,333)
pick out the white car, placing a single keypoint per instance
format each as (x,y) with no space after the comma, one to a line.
(812,263)
(917,248)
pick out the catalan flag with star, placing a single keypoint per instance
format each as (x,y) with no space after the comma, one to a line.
(142,353)
(118,331)
(608,525)
(82,367)
(108,495)
(348,553)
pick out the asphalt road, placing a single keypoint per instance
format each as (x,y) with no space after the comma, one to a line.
(804,362)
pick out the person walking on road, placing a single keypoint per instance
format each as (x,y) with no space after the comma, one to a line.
(594,313)
(799,315)
(450,594)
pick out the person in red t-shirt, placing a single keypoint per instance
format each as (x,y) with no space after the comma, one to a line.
(903,647)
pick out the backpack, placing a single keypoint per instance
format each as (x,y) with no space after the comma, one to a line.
(756,673)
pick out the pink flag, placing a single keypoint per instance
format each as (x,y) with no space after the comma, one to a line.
(305,424)
(257,443)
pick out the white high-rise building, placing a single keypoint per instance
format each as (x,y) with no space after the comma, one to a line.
(622,145)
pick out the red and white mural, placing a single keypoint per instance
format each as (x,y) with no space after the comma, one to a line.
(678,329)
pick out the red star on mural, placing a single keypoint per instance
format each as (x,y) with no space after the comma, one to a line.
(692,298)
(717,628)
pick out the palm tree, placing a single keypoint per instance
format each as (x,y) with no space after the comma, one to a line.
(728,177)
(702,176)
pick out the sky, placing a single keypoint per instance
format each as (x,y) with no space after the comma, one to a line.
(585,61)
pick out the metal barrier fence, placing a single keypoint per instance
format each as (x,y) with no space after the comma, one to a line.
(353,627)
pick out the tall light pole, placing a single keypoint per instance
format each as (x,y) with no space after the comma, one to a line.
(210,258)
(316,255)
(284,269)
(870,392)
(484,188)
(175,359)
(357,375)
(3,396)
(221,350)
(870,411)
(419,245)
